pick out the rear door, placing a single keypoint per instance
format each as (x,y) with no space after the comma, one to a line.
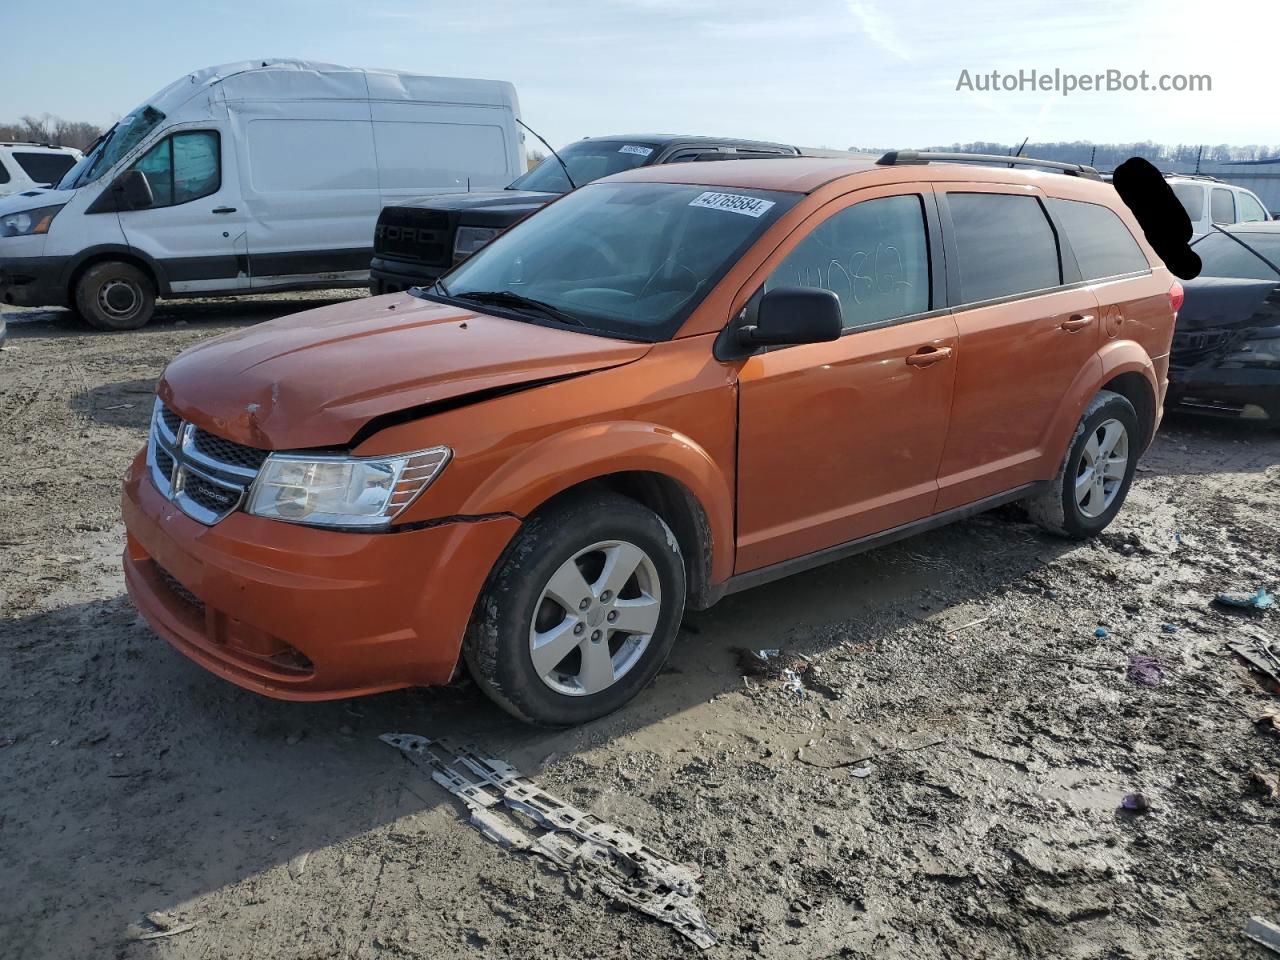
(838,441)
(195,229)
(1025,336)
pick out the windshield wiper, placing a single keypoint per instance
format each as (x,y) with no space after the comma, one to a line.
(505,298)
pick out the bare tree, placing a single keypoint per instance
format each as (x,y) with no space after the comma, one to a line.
(47,128)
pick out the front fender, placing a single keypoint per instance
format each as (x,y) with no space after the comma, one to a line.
(589,451)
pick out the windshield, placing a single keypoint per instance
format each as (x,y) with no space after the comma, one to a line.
(626,260)
(587,160)
(1223,256)
(115,143)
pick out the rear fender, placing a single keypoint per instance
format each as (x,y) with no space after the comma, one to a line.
(1115,358)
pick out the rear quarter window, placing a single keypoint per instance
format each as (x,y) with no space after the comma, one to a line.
(4,172)
(1102,243)
(1005,245)
(44,167)
(1191,196)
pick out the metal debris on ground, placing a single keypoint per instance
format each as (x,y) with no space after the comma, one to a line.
(1259,600)
(1259,655)
(1145,670)
(1263,931)
(615,862)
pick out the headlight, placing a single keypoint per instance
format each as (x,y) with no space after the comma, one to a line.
(343,491)
(471,239)
(28,222)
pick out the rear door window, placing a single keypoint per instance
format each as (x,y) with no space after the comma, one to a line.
(1191,196)
(1103,245)
(873,255)
(1251,210)
(1222,206)
(44,167)
(1005,245)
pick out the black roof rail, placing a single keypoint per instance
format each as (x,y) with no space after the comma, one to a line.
(898,157)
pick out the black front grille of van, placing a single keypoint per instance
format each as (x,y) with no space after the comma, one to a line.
(414,234)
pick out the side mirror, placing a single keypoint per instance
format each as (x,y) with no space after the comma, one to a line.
(792,315)
(132,191)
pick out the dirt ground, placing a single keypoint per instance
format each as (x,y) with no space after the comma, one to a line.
(1002,736)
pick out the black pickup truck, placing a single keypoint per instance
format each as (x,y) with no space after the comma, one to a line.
(419,240)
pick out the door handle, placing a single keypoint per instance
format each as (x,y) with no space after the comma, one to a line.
(224,209)
(1077,321)
(928,356)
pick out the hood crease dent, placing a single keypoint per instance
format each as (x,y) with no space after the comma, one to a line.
(325,378)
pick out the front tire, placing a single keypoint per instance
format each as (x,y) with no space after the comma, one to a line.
(115,296)
(1093,481)
(580,613)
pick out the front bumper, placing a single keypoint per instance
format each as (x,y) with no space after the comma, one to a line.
(33,281)
(394,276)
(300,613)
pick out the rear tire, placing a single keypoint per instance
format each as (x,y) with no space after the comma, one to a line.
(115,296)
(553,658)
(1093,481)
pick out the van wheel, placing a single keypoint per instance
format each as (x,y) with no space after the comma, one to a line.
(1094,478)
(580,613)
(115,296)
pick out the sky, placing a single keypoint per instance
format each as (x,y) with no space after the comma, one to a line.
(835,73)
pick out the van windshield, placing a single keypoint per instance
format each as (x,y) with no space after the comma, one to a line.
(587,160)
(627,260)
(113,145)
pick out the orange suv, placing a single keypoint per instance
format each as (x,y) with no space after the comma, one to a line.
(670,385)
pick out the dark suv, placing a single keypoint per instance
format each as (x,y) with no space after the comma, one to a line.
(417,241)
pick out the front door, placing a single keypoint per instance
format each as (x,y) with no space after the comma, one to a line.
(195,229)
(841,440)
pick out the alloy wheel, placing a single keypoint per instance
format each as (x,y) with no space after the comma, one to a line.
(1103,464)
(595,618)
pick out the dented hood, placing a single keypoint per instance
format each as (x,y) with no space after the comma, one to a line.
(315,378)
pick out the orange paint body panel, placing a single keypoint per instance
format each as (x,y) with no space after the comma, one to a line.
(784,452)
(300,613)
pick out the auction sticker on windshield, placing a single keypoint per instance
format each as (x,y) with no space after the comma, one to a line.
(733,202)
(637,150)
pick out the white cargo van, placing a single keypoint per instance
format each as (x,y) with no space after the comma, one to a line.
(264,175)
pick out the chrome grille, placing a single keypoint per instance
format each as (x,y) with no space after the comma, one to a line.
(205,475)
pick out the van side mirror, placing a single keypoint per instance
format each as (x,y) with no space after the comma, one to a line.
(134,190)
(792,315)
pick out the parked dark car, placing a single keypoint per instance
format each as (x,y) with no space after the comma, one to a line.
(417,241)
(1226,347)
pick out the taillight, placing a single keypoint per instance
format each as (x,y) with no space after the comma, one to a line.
(1176,296)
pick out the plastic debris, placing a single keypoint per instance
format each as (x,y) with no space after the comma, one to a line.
(1263,931)
(1169,627)
(1145,670)
(1137,802)
(614,861)
(791,680)
(1100,633)
(1259,600)
(861,772)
